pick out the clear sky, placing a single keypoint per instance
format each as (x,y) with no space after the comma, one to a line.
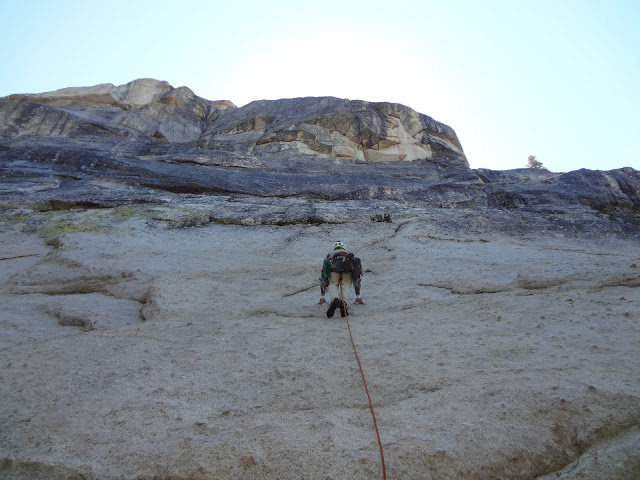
(556,79)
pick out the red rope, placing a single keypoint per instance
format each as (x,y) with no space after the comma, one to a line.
(364,382)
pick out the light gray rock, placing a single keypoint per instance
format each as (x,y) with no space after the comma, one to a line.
(140,92)
(236,372)
(326,127)
(337,128)
(148,106)
(94,311)
(97,95)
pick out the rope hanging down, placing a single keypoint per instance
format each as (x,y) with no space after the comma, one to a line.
(364,382)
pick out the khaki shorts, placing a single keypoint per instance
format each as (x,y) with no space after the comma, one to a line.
(333,290)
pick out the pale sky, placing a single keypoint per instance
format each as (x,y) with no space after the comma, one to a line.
(556,79)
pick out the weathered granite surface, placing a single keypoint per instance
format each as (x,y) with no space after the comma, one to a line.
(182,340)
(159,256)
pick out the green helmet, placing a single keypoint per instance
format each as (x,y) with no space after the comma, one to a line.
(339,246)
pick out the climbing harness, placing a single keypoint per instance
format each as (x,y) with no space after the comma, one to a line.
(364,381)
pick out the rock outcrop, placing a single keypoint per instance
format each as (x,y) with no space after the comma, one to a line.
(329,127)
(614,191)
(151,137)
(326,127)
(144,106)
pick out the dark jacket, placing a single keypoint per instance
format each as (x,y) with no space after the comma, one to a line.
(341,261)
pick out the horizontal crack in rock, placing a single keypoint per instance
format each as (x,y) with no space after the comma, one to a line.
(469,290)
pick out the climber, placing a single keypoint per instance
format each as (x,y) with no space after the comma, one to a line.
(340,266)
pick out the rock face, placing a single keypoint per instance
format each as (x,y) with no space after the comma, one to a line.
(329,127)
(134,348)
(144,106)
(151,328)
(148,135)
(325,127)
(614,191)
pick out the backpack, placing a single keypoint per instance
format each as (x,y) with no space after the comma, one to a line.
(342,262)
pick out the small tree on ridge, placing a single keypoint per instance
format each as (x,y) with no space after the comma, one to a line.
(533,162)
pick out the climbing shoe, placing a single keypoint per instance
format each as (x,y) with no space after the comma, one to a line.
(335,303)
(343,309)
